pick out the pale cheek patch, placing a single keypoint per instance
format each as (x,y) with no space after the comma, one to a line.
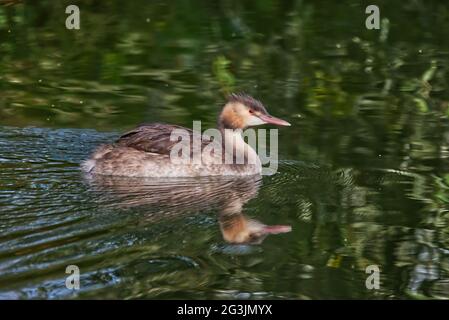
(254,121)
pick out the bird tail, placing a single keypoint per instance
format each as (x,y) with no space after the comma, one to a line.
(89,165)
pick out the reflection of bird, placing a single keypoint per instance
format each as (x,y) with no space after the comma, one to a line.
(186,195)
(237,228)
(148,150)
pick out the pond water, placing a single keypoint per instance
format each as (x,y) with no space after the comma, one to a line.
(363,175)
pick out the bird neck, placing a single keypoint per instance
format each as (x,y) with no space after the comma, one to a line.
(236,147)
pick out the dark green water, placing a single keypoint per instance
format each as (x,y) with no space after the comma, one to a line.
(363,176)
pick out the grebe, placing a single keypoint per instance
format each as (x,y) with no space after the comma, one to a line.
(146,151)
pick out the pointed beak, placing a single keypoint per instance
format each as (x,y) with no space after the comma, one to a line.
(276,229)
(273,120)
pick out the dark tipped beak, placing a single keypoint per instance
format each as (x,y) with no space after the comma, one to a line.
(273,120)
(276,229)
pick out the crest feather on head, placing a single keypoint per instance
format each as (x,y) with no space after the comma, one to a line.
(248,101)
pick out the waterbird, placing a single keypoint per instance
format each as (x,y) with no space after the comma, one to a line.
(150,150)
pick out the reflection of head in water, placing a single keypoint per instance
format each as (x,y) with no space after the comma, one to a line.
(237,228)
(177,196)
(240,229)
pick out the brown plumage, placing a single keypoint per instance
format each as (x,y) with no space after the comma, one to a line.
(155,138)
(147,150)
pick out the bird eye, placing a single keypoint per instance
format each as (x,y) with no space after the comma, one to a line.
(251,111)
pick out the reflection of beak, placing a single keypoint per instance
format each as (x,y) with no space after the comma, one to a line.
(240,229)
(276,229)
(273,120)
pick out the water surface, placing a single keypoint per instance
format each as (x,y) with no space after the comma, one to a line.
(363,177)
